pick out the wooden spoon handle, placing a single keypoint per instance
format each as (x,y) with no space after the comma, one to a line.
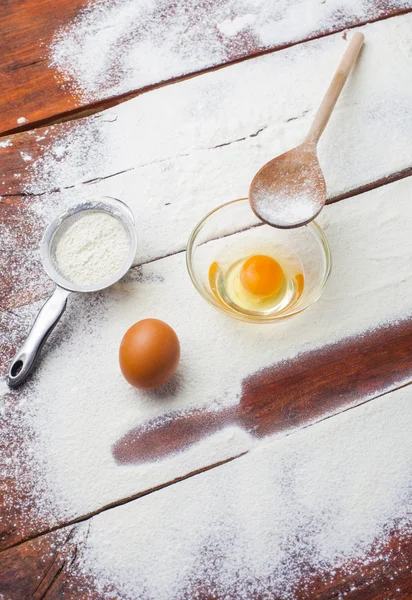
(335,88)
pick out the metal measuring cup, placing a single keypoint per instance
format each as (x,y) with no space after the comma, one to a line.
(54,307)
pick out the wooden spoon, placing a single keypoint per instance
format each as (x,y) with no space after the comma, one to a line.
(290,190)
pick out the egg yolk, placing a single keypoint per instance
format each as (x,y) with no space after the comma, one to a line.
(261,276)
(300,280)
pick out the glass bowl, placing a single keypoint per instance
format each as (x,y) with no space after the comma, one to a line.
(233,230)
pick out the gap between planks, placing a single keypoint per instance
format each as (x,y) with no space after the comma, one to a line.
(368,187)
(363,189)
(100,105)
(162,486)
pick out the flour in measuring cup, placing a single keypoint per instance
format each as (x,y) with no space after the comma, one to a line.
(92,248)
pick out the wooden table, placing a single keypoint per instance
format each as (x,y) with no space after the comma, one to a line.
(287,386)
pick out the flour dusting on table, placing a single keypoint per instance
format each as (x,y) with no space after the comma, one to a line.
(262,524)
(113,47)
(73,432)
(231,27)
(175,153)
(201,152)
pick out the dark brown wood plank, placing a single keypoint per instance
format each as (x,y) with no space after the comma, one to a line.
(382,576)
(47,569)
(30,571)
(258,390)
(317,381)
(27,85)
(30,87)
(249,418)
(15,209)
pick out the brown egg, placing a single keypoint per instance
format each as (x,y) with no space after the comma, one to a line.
(149,353)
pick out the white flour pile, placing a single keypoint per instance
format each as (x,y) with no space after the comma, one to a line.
(116,46)
(92,248)
(285,209)
(258,526)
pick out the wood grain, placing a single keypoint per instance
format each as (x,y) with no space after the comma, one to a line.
(321,388)
(32,88)
(47,568)
(28,86)
(288,395)
(285,396)
(183,158)
(381,575)
(35,570)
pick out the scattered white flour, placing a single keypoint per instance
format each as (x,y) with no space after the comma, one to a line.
(115,46)
(92,248)
(203,150)
(4,388)
(6,143)
(264,524)
(22,120)
(26,157)
(207,145)
(232,27)
(187,148)
(72,432)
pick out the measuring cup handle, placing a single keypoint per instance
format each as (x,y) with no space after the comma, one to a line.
(44,324)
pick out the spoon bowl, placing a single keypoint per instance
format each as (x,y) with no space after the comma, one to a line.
(290,190)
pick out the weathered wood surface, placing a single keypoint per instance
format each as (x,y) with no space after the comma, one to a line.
(57,564)
(181,169)
(32,87)
(28,86)
(377,361)
(45,568)
(288,395)
(352,305)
